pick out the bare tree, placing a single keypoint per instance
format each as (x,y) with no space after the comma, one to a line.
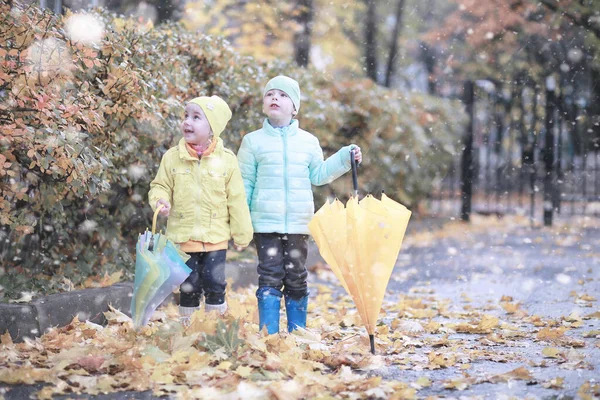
(371,40)
(428,57)
(428,53)
(391,64)
(302,39)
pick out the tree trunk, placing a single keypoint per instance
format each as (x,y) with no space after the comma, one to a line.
(428,57)
(594,107)
(302,39)
(164,10)
(371,40)
(391,64)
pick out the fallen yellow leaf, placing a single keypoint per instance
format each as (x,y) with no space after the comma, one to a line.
(554,383)
(593,315)
(423,381)
(6,339)
(520,373)
(224,366)
(551,352)
(243,371)
(551,334)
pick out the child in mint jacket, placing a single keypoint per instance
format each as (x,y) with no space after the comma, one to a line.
(279,163)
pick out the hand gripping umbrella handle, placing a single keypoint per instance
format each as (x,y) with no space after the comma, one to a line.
(160,207)
(354,172)
(151,243)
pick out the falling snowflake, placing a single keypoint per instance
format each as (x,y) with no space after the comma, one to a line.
(295,253)
(85,28)
(187,287)
(88,226)
(136,171)
(575,55)
(49,55)
(73,135)
(563,279)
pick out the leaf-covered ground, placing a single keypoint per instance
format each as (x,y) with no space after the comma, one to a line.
(429,343)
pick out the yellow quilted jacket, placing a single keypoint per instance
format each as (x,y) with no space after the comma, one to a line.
(208,201)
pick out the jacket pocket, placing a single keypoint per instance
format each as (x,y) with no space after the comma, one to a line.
(183,188)
(215,181)
(219,221)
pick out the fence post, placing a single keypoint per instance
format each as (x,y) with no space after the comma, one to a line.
(466,176)
(549,177)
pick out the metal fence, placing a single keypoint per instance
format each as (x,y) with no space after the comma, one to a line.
(527,151)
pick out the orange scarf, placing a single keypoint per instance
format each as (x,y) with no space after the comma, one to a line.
(199,150)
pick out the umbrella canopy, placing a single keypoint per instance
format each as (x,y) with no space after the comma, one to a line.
(361,242)
(159,269)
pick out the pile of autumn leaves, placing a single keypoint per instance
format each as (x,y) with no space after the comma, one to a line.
(230,357)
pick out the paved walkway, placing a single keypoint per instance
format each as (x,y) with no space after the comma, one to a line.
(551,275)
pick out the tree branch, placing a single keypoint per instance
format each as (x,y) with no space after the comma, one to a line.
(582,21)
(18,110)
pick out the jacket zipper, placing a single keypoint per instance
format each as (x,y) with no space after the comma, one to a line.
(285,180)
(199,208)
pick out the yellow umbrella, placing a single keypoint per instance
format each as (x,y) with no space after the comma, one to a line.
(361,244)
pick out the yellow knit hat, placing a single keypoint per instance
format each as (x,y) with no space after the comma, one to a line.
(216,110)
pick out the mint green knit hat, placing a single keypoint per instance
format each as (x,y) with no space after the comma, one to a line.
(287,85)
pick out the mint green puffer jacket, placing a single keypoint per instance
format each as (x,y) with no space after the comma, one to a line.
(278,166)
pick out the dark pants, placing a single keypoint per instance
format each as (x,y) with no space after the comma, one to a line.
(281,262)
(208,277)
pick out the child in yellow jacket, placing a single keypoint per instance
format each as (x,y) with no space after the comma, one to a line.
(200,187)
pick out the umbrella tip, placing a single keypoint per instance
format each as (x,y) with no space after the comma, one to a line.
(372,340)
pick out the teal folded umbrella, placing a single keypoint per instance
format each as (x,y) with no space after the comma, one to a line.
(159,269)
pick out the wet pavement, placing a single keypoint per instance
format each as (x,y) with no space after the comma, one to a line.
(552,273)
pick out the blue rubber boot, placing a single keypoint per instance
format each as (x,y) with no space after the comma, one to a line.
(269,303)
(296,312)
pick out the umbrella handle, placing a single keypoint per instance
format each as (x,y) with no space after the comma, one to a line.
(354,172)
(160,207)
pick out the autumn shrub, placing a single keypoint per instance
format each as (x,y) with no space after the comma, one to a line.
(84,125)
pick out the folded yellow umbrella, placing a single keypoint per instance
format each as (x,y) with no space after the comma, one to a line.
(361,243)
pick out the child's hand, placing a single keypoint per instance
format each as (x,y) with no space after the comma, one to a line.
(357,154)
(238,248)
(166,207)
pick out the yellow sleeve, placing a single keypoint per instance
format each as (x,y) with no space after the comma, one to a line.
(162,185)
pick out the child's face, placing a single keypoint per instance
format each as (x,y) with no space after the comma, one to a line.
(195,126)
(277,105)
